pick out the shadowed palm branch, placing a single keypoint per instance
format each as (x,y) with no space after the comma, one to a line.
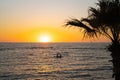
(105,20)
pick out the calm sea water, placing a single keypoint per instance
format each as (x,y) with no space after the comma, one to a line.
(37,61)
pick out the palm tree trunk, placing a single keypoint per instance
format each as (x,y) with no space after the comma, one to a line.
(115,54)
(116,67)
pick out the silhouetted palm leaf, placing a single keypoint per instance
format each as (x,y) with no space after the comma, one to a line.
(105,20)
(87,30)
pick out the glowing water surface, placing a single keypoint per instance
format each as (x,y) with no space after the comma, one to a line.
(37,61)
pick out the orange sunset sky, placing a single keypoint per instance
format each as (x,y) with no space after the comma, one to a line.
(42,20)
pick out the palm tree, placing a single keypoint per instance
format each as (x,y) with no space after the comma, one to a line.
(103,20)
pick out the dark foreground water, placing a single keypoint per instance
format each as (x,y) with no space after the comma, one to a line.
(37,61)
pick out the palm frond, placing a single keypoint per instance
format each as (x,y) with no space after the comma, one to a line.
(104,20)
(94,23)
(74,22)
(77,23)
(88,31)
(93,12)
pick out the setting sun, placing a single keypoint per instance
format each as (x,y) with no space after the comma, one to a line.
(44,38)
(36,20)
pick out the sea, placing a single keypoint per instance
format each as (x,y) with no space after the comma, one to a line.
(39,61)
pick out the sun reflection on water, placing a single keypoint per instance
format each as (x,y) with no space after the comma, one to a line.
(47,68)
